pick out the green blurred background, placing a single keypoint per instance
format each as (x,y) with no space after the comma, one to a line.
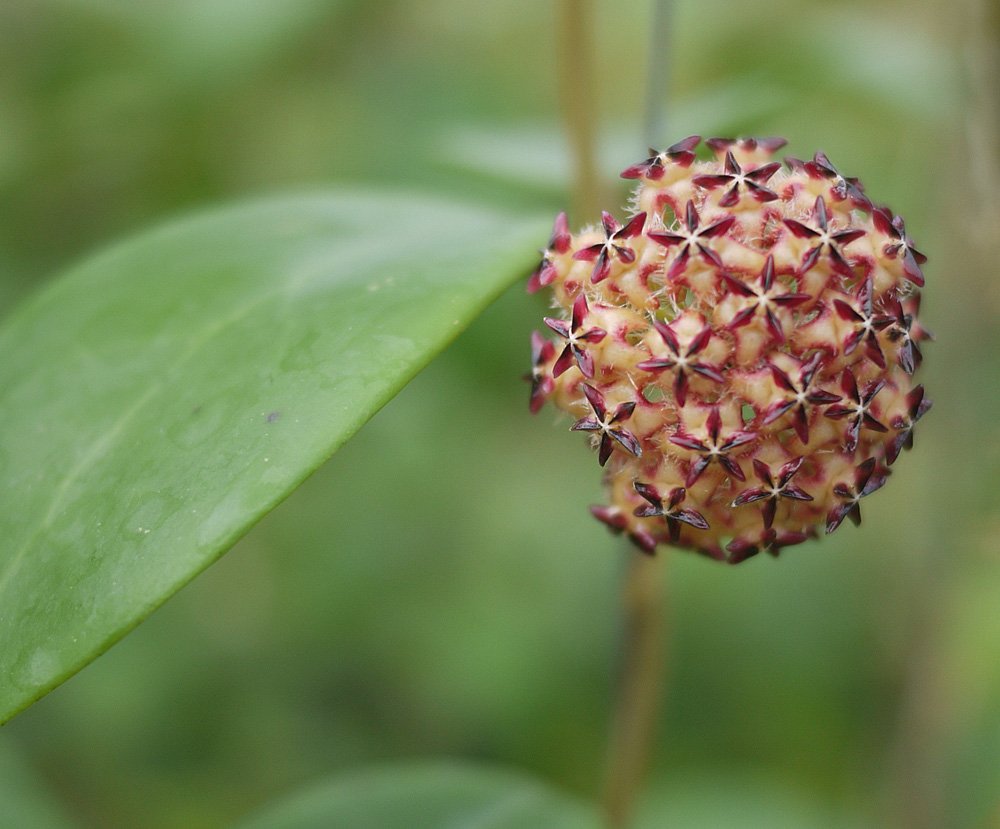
(438,589)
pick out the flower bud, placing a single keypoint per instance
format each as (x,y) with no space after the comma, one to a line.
(740,348)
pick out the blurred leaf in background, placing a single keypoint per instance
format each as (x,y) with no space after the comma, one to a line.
(426,796)
(438,588)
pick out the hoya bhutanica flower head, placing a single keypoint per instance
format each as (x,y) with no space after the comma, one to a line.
(740,347)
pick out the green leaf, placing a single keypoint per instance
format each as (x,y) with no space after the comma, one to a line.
(162,397)
(428,795)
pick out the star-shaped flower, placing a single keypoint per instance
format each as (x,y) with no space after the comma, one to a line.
(764,299)
(866,323)
(866,481)
(752,181)
(617,522)
(604,422)
(799,395)
(669,508)
(825,240)
(680,363)
(602,253)
(906,331)
(771,541)
(775,487)
(690,237)
(575,335)
(716,448)
(653,168)
(843,187)
(856,407)
(901,244)
(542,350)
(559,243)
(916,407)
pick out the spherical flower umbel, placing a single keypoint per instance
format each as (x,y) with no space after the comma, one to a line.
(740,347)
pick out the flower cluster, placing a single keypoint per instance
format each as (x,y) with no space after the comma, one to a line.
(740,348)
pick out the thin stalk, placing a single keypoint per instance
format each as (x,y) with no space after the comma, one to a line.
(658,77)
(640,686)
(577,91)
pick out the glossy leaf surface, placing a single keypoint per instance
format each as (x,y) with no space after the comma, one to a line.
(162,397)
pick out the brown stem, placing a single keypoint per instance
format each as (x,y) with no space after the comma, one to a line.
(917,764)
(640,686)
(575,42)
